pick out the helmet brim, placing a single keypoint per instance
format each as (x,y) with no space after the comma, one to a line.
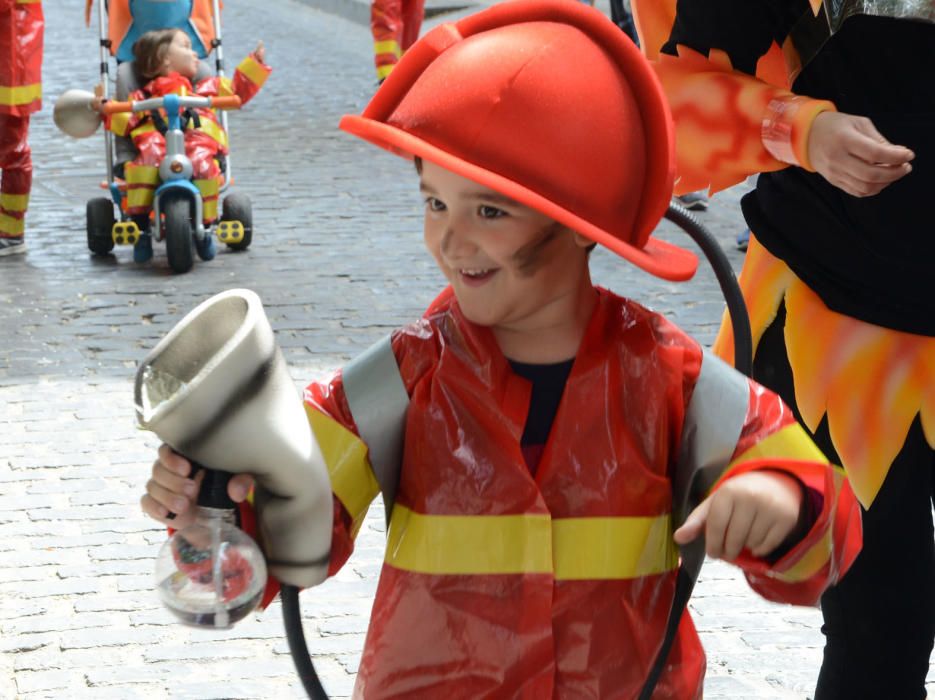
(657,257)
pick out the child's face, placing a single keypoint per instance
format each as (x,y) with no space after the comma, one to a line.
(510,267)
(181,58)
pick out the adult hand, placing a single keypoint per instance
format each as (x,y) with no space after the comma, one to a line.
(852,155)
(755,511)
(171,491)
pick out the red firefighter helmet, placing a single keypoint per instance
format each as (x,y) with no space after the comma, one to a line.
(548,103)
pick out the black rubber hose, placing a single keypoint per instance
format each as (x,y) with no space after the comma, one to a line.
(736,307)
(743,362)
(292,617)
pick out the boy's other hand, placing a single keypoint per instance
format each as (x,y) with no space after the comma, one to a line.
(755,511)
(852,155)
(260,52)
(170,490)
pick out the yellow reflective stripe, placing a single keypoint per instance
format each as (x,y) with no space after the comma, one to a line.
(345,455)
(213,129)
(14,202)
(140,197)
(144,128)
(11,226)
(613,548)
(208,187)
(388,46)
(120,123)
(28,2)
(792,442)
(383,71)
(20,94)
(812,561)
(256,72)
(142,175)
(469,544)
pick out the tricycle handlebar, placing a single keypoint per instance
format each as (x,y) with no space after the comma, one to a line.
(226,102)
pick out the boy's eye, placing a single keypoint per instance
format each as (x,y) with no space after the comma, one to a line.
(488,212)
(434,204)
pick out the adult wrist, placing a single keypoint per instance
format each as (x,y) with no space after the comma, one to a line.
(786,125)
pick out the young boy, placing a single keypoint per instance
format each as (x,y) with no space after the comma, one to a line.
(550,424)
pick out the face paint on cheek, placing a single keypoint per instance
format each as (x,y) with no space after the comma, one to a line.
(533,255)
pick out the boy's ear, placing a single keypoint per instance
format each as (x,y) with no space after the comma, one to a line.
(582,241)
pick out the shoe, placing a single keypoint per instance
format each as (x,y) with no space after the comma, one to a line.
(693,201)
(743,239)
(143,249)
(12,246)
(206,248)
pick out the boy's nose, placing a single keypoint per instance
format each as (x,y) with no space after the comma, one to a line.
(456,241)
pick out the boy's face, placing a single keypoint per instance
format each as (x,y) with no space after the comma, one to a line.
(180,57)
(511,267)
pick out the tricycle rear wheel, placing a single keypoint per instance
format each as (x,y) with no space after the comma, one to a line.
(237,207)
(100,224)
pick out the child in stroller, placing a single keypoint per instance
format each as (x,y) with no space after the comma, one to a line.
(166,63)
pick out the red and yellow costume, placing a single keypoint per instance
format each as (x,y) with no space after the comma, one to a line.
(497,583)
(203,143)
(21,34)
(395,26)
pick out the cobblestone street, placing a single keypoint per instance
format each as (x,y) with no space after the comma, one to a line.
(337,258)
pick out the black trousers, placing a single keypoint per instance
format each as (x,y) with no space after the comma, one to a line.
(880,619)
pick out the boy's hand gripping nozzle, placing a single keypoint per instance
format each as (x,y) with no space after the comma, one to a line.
(216,389)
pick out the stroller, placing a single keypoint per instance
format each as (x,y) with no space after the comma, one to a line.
(177,203)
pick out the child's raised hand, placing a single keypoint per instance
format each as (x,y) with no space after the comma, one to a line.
(755,511)
(260,52)
(171,491)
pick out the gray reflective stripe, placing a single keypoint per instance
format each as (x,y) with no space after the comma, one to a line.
(378,401)
(713,421)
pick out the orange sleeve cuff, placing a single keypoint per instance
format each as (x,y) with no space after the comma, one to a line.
(787,124)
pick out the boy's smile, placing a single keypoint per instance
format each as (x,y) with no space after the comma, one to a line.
(512,268)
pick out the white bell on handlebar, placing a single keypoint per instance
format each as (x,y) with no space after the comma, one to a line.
(74,115)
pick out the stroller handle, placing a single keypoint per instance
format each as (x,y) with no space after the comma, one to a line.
(226,102)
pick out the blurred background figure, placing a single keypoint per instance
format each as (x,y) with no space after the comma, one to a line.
(395,26)
(21,31)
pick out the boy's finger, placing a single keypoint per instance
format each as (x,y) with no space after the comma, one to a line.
(168,499)
(738,532)
(173,461)
(693,525)
(719,516)
(239,486)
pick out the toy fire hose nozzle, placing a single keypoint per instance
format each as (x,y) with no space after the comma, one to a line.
(216,389)
(74,115)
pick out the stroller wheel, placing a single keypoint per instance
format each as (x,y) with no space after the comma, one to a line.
(237,207)
(100,216)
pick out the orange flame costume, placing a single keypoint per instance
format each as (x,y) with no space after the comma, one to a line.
(21,35)
(839,295)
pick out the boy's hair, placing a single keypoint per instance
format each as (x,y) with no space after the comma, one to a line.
(150,51)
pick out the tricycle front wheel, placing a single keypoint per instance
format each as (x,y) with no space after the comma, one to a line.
(178,227)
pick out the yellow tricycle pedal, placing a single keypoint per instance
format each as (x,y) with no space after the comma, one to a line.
(125,233)
(230,231)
